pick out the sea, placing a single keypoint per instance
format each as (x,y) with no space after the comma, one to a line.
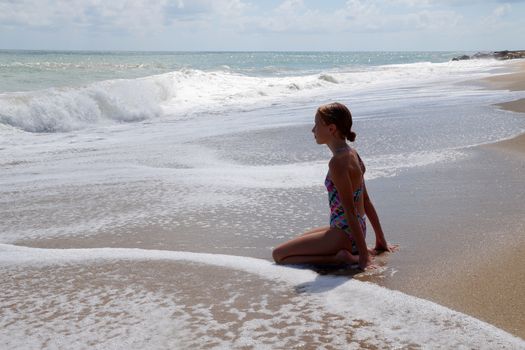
(170,176)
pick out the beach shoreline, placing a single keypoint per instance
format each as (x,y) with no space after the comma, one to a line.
(458,221)
(485,276)
(514,82)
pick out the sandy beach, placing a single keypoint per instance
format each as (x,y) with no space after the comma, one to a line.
(473,219)
(459,223)
(513,82)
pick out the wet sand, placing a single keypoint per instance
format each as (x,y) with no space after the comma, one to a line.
(514,81)
(463,242)
(460,227)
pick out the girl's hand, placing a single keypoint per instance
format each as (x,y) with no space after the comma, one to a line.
(384,247)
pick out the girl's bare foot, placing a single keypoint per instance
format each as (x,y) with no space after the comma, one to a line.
(345,256)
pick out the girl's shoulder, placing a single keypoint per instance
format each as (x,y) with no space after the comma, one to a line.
(349,161)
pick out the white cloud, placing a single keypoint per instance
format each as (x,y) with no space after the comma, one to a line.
(432,20)
(501,10)
(291,16)
(355,16)
(228,8)
(36,14)
(127,15)
(359,10)
(289,6)
(295,17)
(414,3)
(495,20)
(56,13)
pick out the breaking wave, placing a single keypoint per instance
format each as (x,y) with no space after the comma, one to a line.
(132,100)
(190,91)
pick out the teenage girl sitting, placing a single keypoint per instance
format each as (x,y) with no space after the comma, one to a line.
(344,240)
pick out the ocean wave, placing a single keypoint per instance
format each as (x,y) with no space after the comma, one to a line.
(129,100)
(190,91)
(65,109)
(329,78)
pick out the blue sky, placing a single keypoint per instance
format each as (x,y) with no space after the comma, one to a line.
(176,25)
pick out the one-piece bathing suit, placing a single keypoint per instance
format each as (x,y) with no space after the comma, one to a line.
(337,212)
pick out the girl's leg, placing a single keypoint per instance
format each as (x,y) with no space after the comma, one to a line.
(329,246)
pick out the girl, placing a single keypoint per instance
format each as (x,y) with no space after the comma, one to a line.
(344,240)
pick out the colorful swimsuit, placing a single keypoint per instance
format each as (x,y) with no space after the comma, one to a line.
(337,212)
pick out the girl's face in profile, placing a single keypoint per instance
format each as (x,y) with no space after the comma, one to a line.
(321,131)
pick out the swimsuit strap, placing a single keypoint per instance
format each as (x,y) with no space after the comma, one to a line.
(363,168)
(357,193)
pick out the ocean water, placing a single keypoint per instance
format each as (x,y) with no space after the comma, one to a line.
(191,167)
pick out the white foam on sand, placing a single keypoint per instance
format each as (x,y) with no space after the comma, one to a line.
(381,317)
(222,173)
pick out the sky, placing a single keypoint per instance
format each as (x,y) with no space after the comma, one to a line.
(272,25)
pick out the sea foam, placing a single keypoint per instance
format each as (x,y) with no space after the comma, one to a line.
(386,318)
(64,109)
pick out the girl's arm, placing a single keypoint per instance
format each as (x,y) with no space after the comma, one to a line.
(343,184)
(381,244)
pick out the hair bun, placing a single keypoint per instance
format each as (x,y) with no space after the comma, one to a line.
(351,136)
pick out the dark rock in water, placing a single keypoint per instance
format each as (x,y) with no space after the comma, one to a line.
(461,58)
(509,55)
(482,55)
(501,54)
(498,55)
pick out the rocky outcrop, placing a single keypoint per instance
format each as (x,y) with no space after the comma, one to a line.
(509,55)
(499,55)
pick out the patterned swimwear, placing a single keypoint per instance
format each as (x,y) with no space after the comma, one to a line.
(337,212)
